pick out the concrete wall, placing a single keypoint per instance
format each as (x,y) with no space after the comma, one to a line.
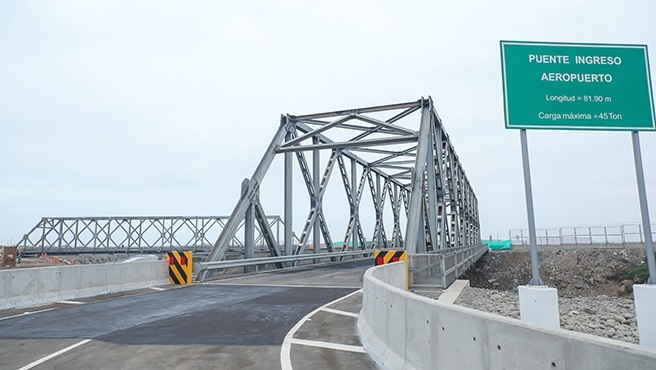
(401,330)
(33,286)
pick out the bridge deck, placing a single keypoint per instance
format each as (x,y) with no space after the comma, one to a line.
(227,324)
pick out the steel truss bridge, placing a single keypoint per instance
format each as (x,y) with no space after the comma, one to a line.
(133,234)
(399,155)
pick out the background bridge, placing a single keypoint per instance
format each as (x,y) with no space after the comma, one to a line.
(133,234)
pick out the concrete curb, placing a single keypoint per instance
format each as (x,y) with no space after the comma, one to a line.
(453,291)
(35,286)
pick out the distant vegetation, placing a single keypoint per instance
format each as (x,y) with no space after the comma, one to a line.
(638,273)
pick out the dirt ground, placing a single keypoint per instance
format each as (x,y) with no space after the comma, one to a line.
(575,273)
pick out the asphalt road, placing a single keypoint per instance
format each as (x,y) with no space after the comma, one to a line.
(237,324)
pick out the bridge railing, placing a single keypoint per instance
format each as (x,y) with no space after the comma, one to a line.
(281,261)
(584,235)
(439,269)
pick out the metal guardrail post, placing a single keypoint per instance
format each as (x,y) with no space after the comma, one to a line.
(590,234)
(443,269)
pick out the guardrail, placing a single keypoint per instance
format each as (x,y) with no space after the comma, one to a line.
(440,269)
(290,261)
(426,271)
(584,235)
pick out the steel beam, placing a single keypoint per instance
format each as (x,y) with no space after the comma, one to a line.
(415,224)
(349,144)
(359,110)
(288,196)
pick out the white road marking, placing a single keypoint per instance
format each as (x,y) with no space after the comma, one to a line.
(70,302)
(339,312)
(285,350)
(156,288)
(337,346)
(286,285)
(53,355)
(28,313)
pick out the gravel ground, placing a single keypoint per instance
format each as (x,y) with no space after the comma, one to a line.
(609,317)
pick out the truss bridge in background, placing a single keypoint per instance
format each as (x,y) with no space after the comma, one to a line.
(135,234)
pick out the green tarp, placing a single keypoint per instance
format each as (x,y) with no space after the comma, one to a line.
(499,245)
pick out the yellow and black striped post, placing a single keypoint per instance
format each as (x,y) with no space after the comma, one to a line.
(390,256)
(180,267)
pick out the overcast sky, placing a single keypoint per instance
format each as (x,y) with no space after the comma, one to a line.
(112,108)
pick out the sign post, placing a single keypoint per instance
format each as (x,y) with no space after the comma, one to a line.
(568,86)
(535,267)
(644,210)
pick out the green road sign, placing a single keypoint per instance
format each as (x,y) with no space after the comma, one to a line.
(577,86)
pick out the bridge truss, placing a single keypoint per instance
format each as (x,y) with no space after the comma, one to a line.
(135,234)
(400,154)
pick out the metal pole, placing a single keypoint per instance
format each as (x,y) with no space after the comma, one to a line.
(288,203)
(249,236)
(644,210)
(535,280)
(354,191)
(395,242)
(379,216)
(316,236)
(590,234)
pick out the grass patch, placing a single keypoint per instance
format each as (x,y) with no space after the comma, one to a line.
(637,273)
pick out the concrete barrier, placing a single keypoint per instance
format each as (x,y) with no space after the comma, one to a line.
(34,286)
(402,330)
